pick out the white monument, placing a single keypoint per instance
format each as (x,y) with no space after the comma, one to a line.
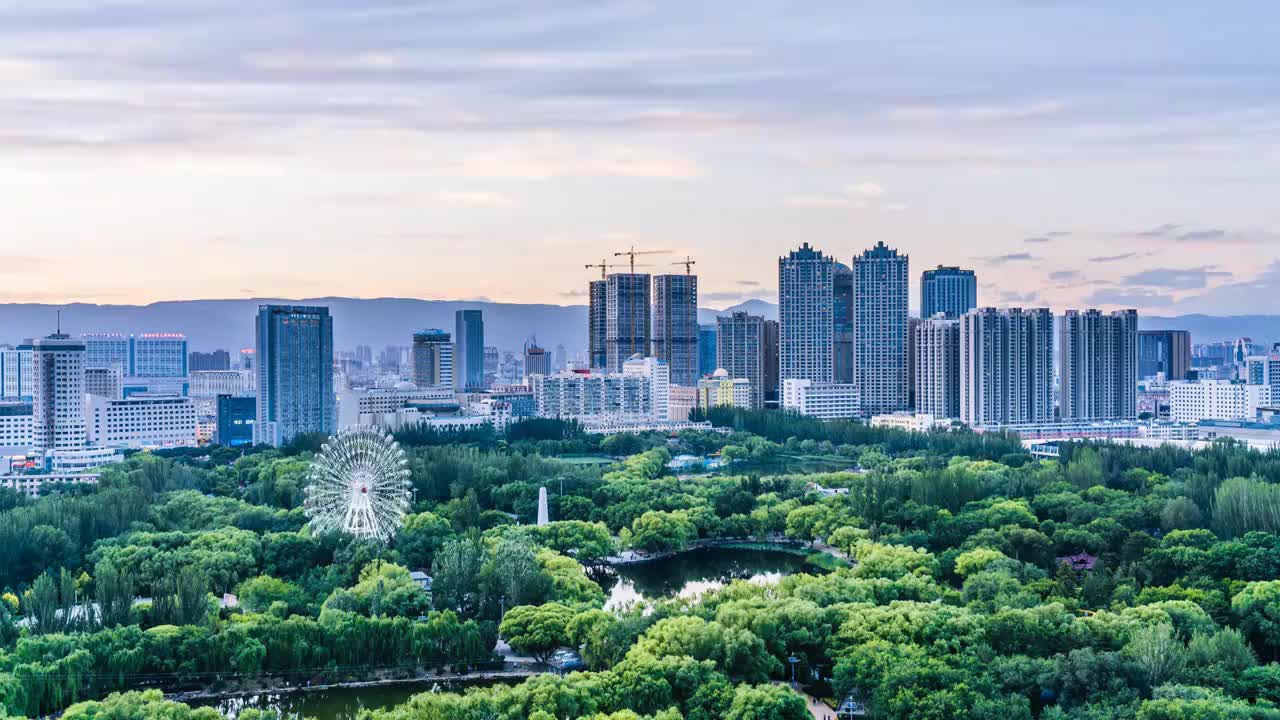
(544,515)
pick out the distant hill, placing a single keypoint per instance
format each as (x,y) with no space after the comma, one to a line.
(1211,328)
(378,322)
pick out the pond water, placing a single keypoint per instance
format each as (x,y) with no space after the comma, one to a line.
(686,575)
(330,704)
(693,573)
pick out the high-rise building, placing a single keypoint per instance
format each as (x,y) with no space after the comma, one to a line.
(1006,366)
(15,371)
(1098,365)
(772,382)
(947,290)
(842,312)
(432,358)
(740,351)
(150,355)
(675,326)
(627,308)
(936,342)
(57,398)
(706,350)
(1164,351)
(491,357)
(537,361)
(294,362)
(880,289)
(468,355)
(598,324)
(559,359)
(806,343)
(216,360)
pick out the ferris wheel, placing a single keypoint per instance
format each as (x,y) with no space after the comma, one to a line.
(359,485)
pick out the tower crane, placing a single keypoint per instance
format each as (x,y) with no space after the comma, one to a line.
(633,252)
(688,264)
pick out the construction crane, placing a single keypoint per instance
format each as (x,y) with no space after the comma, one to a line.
(688,264)
(633,252)
(604,266)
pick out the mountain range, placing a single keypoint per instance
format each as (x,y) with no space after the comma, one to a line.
(212,324)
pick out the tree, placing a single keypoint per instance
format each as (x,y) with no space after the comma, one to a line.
(537,630)
(149,705)
(422,535)
(1258,607)
(513,572)
(659,531)
(455,575)
(114,593)
(1157,653)
(767,702)
(259,593)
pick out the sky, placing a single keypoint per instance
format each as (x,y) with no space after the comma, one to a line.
(1073,153)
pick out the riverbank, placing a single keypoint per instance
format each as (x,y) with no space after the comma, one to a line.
(771,544)
(513,672)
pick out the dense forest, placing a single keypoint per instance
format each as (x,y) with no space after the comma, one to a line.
(977,581)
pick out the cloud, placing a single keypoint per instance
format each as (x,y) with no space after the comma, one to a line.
(1159,231)
(1010,296)
(1010,257)
(719,296)
(572,293)
(749,283)
(816,201)
(1111,258)
(1064,275)
(1175,279)
(1210,234)
(866,189)
(1129,298)
(473,199)
(1058,233)
(1238,297)
(1038,239)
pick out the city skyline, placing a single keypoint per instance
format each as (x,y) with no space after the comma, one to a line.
(1138,174)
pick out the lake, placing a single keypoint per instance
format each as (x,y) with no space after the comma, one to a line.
(693,573)
(331,704)
(685,575)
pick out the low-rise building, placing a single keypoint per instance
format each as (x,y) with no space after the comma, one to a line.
(720,390)
(1216,400)
(641,393)
(681,401)
(33,485)
(235,417)
(911,422)
(141,421)
(15,426)
(823,400)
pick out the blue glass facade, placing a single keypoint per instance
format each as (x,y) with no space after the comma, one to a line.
(948,290)
(294,351)
(236,417)
(468,356)
(706,349)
